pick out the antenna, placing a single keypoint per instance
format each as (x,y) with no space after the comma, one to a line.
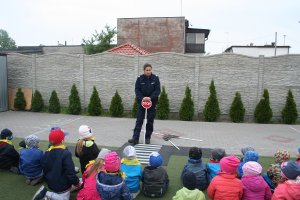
(284,40)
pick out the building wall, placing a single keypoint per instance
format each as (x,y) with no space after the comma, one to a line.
(71,49)
(110,72)
(154,34)
(255,52)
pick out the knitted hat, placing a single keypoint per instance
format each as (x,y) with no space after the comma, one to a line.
(247,148)
(155,159)
(32,141)
(218,154)
(103,153)
(290,170)
(56,136)
(229,164)
(252,168)
(6,134)
(84,132)
(281,156)
(112,162)
(274,172)
(189,180)
(195,153)
(251,156)
(129,152)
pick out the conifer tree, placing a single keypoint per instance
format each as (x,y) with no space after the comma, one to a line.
(237,110)
(163,108)
(94,107)
(263,112)
(134,108)
(289,112)
(211,110)
(54,104)
(186,111)
(19,101)
(74,101)
(37,103)
(116,108)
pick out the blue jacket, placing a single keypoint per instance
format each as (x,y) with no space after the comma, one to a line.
(147,87)
(31,162)
(200,170)
(111,186)
(213,169)
(133,171)
(59,170)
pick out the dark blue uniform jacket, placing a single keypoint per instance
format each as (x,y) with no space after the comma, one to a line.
(147,87)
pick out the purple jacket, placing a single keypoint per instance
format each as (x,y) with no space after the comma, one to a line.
(255,188)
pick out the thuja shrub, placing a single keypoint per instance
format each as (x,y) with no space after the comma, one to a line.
(37,103)
(94,107)
(163,108)
(237,110)
(19,101)
(54,104)
(289,113)
(116,108)
(211,110)
(186,111)
(263,112)
(74,101)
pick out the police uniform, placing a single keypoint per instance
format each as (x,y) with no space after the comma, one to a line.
(146,87)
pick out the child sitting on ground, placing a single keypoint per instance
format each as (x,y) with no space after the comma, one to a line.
(249,156)
(155,180)
(226,186)
(213,167)
(189,190)
(273,176)
(110,183)
(89,191)
(58,168)
(290,189)
(132,168)
(86,148)
(254,184)
(198,167)
(244,150)
(9,157)
(31,160)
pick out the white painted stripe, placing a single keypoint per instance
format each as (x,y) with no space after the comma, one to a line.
(295,129)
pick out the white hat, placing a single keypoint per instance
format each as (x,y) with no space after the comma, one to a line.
(129,152)
(84,132)
(103,153)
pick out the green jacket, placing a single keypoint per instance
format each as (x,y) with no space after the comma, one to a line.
(186,194)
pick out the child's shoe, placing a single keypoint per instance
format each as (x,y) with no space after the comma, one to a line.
(40,194)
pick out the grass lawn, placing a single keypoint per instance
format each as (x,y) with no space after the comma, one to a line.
(13,187)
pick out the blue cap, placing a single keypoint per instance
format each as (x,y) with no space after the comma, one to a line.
(299,150)
(58,128)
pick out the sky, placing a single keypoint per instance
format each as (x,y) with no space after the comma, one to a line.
(231,22)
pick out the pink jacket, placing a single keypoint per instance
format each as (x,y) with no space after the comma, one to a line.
(89,191)
(289,190)
(225,187)
(255,188)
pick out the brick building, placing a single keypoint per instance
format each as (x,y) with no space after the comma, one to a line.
(162,34)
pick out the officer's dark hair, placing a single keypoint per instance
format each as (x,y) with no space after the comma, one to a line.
(147,65)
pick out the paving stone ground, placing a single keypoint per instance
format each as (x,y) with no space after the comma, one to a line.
(266,138)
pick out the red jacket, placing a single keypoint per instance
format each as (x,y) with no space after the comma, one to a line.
(225,187)
(255,188)
(289,190)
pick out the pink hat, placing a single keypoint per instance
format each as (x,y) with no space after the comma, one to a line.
(229,164)
(112,162)
(252,168)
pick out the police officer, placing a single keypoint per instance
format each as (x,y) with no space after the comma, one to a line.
(147,87)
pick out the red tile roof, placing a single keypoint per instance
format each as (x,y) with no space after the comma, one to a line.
(128,49)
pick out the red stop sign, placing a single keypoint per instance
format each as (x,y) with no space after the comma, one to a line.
(146,104)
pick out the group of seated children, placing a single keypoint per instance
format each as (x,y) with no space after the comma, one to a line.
(108,177)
